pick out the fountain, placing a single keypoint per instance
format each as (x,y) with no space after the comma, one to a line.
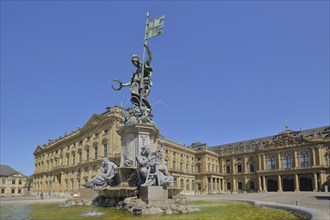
(142,177)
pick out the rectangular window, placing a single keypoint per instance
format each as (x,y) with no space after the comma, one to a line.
(174,165)
(251,185)
(271,163)
(73,159)
(239,168)
(228,169)
(19,191)
(13,191)
(304,160)
(287,162)
(67,160)
(251,167)
(240,185)
(80,157)
(228,186)
(2,191)
(66,185)
(20,182)
(95,152)
(105,150)
(13,182)
(3,181)
(87,155)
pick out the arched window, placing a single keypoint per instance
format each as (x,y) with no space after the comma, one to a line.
(304,160)
(287,162)
(271,163)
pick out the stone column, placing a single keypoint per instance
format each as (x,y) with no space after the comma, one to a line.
(259,184)
(62,187)
(259,162)
(296,183)
(313,157)
(319,149)
(315,183)
(295,161)
(322,180)
(264,164)
(234,187)
(279,183)
(223,185)
(279,165)
(264,184)
(211,180)
(246,167)
(233,170)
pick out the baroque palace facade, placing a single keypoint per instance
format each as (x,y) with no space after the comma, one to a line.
(289,161)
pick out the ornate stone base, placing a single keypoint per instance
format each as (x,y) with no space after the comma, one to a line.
(153,193)
(133,138)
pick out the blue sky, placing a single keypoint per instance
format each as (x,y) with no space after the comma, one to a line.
(224,71)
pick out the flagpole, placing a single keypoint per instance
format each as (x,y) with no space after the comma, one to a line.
(142,62)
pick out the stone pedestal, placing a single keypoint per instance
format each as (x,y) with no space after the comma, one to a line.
(153,193)
(133,138)
(88,195)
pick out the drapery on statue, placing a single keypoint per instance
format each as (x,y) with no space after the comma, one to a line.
(108,177)
(151,170)
(140,85)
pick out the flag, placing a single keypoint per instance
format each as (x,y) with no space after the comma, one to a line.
(154,27)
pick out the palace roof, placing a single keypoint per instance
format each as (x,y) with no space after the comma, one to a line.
(6,170)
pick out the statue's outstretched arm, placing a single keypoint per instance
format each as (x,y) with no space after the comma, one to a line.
(121,85)
(149,54)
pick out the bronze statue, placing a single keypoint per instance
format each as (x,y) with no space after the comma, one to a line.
(108,177)
(139,84)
